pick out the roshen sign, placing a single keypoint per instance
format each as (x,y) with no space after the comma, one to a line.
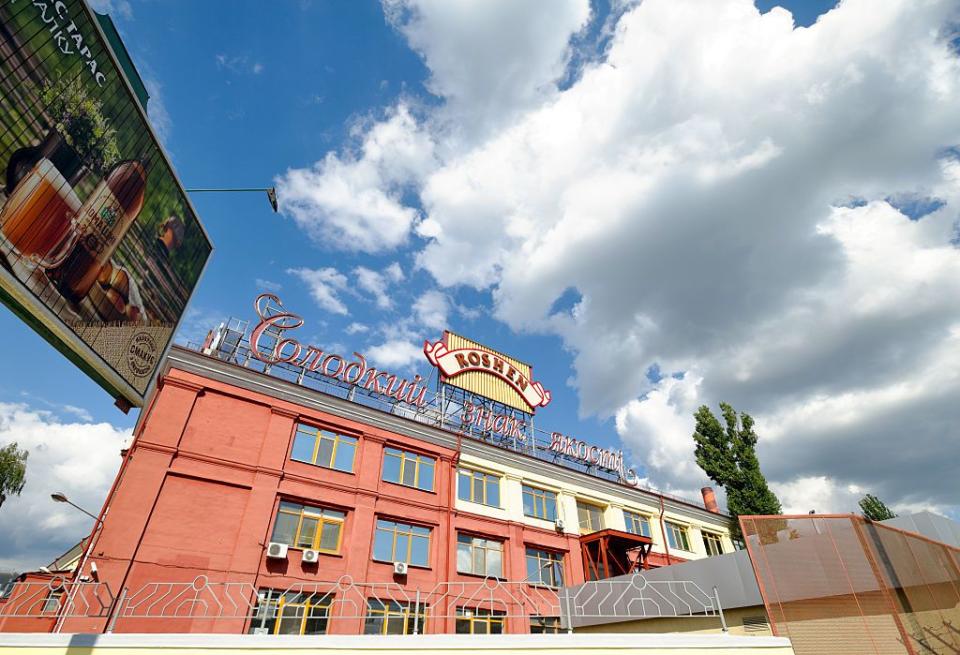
(460,361)
(275,322)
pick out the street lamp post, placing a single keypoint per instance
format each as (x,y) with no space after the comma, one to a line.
(271,193)
(60,497)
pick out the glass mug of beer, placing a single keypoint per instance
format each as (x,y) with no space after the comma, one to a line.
(38,217)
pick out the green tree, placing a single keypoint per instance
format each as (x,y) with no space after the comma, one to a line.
(13,470)
(728,456)
(875,509)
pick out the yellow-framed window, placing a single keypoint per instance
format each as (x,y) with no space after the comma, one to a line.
(539,503)
(302,526)
(545,625)
(401,542)
(324,448)
(544,567)
(590,517)
(637,523)
(478,487)
(479,621)
(409,469)
(291,613)
(479,556)
(391,617)
(713,543)
(677,536)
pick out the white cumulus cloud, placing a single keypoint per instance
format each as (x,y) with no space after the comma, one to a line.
(692,187)
(79,459)
(432,309)
(325,285)
(354,200)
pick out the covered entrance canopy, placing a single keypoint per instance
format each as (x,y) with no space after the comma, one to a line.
(607,553)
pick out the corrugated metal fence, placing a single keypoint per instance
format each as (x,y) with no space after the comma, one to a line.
(842,584)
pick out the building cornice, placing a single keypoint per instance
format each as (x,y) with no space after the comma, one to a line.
(257,382)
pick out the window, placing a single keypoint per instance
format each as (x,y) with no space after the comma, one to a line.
(408,469)
(399,542)
(539,503)
(545,625)
(389,617)
(477,487)
(479,621)
(713,543)
(52,602)
(677,536)
(591,517)
(324,448)
(637,523)
(290,613)
(544,567)
(301,526)
(479,556)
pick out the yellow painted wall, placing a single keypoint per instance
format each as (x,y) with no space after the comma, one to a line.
(511,500)
(607,644)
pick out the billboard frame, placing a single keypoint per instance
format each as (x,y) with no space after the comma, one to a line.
(37,316)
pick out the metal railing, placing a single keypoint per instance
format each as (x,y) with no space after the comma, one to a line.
(57,597)
(636,597)
(440,410)
(351,605)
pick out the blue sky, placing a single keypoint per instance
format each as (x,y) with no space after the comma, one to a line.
(658,205)
(247,91)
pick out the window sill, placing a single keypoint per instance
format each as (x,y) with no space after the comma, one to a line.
(325,553)
(321,466)
(539,518)
(541,585)
(473,502)
(498,578)
(681,551)
(412,566)
(404,486)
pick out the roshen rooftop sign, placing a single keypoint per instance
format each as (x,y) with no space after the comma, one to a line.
(270,344)
(475,368)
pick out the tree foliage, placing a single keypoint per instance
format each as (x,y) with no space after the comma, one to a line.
(875,509)
(728,456)
(13,470)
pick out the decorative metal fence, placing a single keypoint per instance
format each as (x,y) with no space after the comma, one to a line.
(636,597)
(57,598)
(345,606)
(842,584)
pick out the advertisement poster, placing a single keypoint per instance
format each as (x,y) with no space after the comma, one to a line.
(99,248)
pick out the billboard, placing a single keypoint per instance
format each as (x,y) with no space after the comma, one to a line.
(100,250)
(473,367)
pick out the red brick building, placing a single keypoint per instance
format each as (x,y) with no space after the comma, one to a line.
(227,460)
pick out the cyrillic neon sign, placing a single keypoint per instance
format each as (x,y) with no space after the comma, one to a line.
(288,350)
(611,460)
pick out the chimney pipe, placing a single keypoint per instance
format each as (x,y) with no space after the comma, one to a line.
(710,500)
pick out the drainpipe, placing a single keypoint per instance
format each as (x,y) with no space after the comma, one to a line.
(663,531)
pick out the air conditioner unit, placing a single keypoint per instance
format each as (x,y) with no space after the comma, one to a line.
(311,556)
(399,568)
(276,551)
(559,525)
